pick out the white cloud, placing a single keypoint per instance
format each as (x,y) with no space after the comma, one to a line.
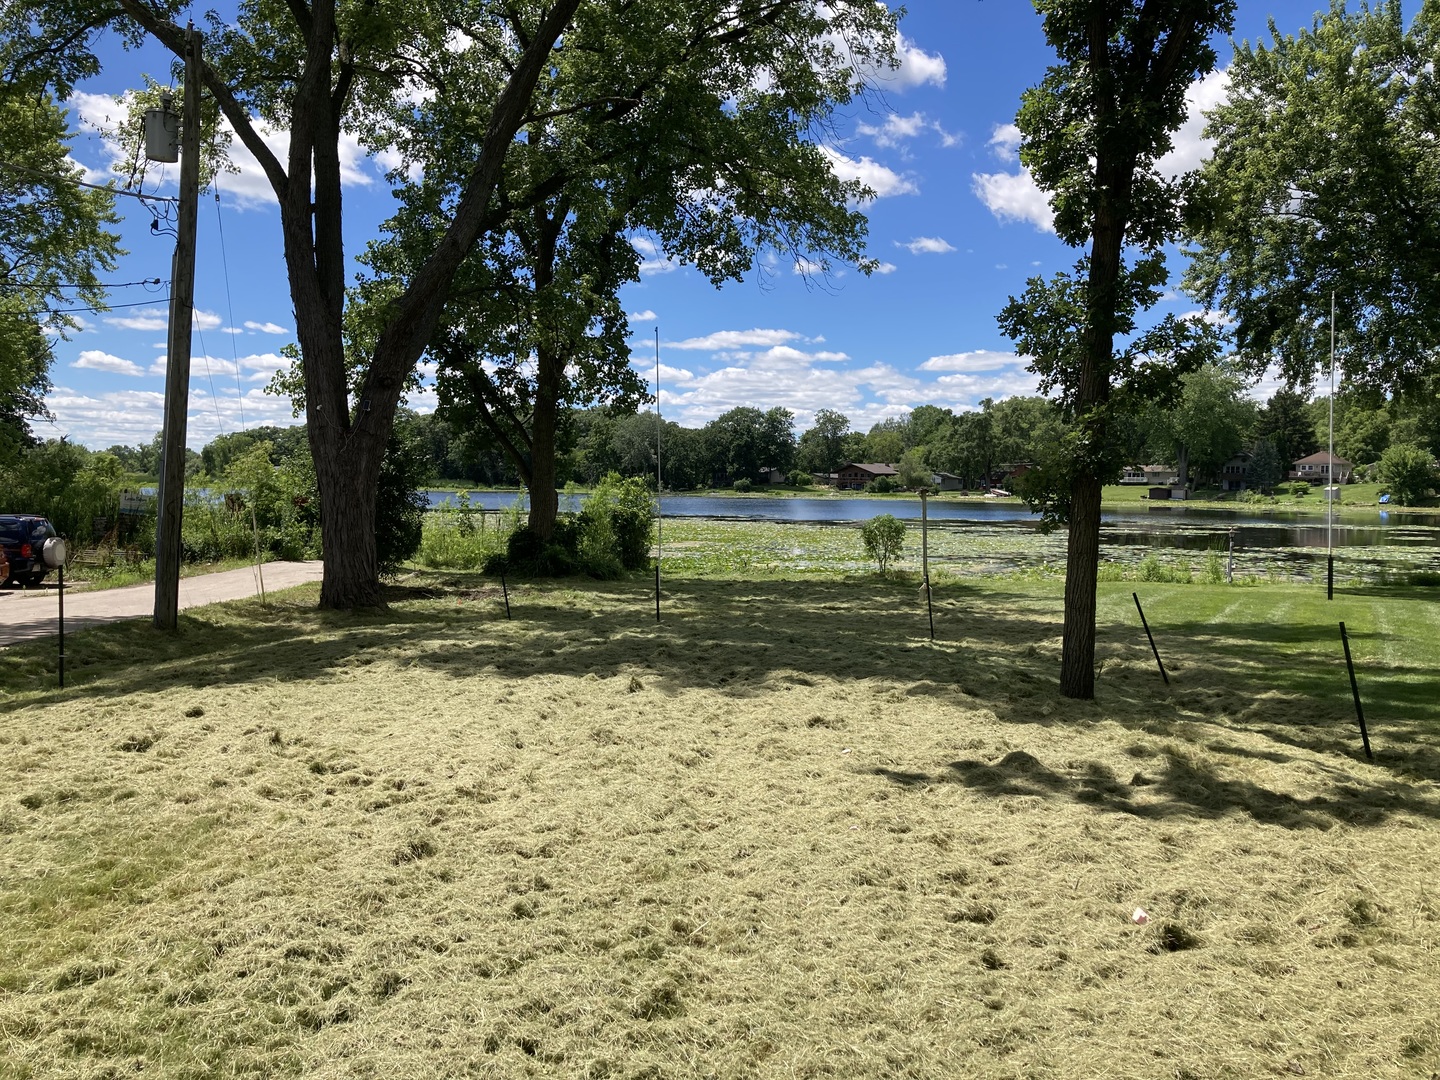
(134,416)
(881,179)
(642,316)
(95,360)
(1005,142)
(927,245)
(1014,197)
(978,360)
(897,129)
(1190,147)
(809,267)
(265,327)
(917,67)
(653,260)
(137,322)
(886,268)
(736,339)
(201,320)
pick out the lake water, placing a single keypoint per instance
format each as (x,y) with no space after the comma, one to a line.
(1168,525)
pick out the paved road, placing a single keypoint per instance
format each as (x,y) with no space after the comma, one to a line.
(29,614)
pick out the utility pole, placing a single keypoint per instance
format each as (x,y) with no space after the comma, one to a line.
(177,366)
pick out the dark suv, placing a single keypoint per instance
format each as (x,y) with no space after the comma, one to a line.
(22,536)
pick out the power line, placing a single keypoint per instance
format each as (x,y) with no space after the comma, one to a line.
(229,306)
(36,286)
(96,310)
(59,179)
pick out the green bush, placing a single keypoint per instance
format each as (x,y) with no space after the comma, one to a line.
(883,537)
(742,485)
(882,485)
(629,508)
(1214,568)
(1300,488)
(1409,472)
(801,478)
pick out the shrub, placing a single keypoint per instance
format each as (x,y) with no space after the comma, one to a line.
(881,485)
(1408,471)
(1300,488)
(628,506)
(742,485)
(883,537)
(1214,568)
(800,478)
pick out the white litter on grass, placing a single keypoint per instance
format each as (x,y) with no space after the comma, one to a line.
(1139,916)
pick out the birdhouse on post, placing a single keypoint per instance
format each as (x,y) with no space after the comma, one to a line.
(162,133)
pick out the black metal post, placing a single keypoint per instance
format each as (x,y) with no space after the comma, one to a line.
(505,590)
(1355,693)
(929,609)
(1330,577)
(1151,636)
(657,590)
(62,627)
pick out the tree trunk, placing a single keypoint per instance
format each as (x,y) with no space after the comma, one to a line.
(544,501)
(1182,458)
(347,486)
(1077,661)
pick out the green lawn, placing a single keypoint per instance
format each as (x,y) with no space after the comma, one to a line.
(779,834)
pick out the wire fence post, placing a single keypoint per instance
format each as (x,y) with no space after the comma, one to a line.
(62,626)
(1151,636)
(1355,693)
(505,591)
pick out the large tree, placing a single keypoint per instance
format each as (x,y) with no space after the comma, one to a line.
(1325,179)
(319,69)
(719,160)
(55,243)
(1093,132)
(1207,425)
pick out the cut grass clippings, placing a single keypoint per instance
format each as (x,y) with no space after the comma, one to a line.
(780,834)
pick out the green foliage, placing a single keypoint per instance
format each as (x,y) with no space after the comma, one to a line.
(1266,468)
(1409,472)
(1324,180)
(68,484)
(883,537)
(627,507)
(1299,488)
(1207,426)
(912,472)
(743,485)
(56,236)
(882,485)
(611,534)
(400,511)
(800,478)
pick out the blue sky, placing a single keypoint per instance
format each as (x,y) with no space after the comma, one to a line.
(957,225)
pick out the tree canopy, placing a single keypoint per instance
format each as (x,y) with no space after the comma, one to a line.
(1325,179)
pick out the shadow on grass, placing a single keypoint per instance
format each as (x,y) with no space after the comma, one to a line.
(1184,786)
(997,649)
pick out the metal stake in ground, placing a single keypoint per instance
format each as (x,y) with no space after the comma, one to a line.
(1230,561)
(505,591)
(1355,693)
(1151,636)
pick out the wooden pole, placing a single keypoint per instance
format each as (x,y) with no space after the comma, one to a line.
(177,367)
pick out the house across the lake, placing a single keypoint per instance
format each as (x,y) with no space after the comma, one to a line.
(1150,475)
(948,481)
(1322,468)
(1232,473)
(854,475)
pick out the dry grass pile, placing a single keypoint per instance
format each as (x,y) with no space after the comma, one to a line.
(780,835)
